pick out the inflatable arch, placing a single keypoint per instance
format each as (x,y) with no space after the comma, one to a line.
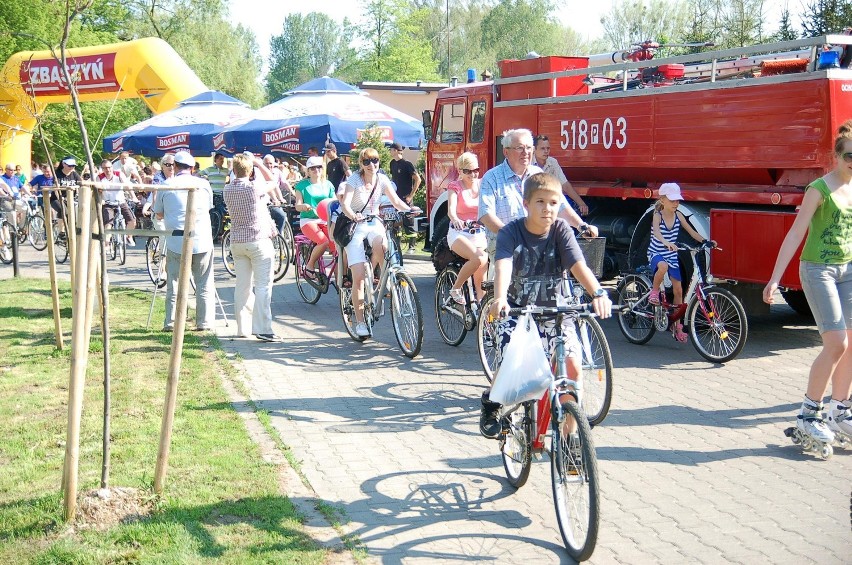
(145,68)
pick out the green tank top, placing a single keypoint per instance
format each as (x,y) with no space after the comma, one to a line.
(830,233)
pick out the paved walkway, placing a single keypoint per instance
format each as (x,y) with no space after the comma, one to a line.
(695,467)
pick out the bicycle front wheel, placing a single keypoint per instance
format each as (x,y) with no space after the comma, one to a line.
(308,291)
(719,328)
(5,242)
(407,315)
(486,338)
(36,233)
(112,247)
(574,476)
(282,257)
(60,247)
(448,315)
(637,324)
(121,249)
(154,262)
(516,444)
(227,256)
(347,309)
(597,370)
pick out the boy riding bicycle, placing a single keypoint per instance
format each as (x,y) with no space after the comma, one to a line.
(532,256)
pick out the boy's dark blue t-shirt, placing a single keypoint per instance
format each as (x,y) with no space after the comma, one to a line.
(538,261)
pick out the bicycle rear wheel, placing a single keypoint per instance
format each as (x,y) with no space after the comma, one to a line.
(154,262)
(574,476)
(282,257)
(449,316)
(719,330)
(597,370)
(308,291)
(36,233)
(407,315)
(516,444)
(112,247)
(637,324)
(227,256)
(486,338)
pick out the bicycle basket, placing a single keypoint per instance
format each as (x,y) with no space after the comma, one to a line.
(593,251)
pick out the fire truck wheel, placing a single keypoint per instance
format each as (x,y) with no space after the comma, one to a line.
(796,300)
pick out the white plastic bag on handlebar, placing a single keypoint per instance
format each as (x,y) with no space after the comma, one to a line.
(524,372)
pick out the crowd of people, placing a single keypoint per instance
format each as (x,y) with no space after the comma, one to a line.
(515,216)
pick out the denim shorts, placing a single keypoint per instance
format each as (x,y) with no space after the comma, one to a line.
(828,289)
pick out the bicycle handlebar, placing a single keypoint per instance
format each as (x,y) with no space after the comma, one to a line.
(706,244)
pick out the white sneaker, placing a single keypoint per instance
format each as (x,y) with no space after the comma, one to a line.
(811,423)
(361,330)
(840,421)
(457,295)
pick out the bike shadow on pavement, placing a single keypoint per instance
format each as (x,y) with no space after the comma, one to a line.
(407,514)
(696,458)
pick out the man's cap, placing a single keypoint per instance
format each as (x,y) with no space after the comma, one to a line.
(313,162)
(329,147)
(184,158)
(70,161)
(671,191)
(396,146)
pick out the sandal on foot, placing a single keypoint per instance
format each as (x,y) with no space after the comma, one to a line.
(654,298)
(456,295)
(347,282)
(678,333)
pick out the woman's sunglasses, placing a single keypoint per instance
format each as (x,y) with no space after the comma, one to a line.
(370,161)
(470,171)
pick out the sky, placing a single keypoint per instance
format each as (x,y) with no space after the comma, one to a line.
(582,15)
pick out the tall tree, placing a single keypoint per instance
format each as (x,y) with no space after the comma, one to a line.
(826,16)
(743,23)
(309,46)
(513,28)
(785,28)
(634,21)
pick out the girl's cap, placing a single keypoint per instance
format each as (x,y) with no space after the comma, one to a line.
(671,191)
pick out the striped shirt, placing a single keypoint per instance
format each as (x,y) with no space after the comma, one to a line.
(362,193)
(669,234)
(250,220)
(216,177)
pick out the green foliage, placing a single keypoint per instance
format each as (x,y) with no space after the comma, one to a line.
(309,46)
(826,16)
(635,21)
(101,118)
(371,137)
(513,28)
(785,29)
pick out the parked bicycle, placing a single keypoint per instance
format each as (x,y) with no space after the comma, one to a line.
(573,460)
(7,231)
(714,318)
(313,283)
(406,312)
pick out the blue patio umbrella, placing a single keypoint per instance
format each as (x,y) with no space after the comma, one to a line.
(321,110)
(196,125)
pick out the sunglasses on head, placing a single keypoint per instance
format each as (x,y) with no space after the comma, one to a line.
(470,171)
(847,157)
(370,161)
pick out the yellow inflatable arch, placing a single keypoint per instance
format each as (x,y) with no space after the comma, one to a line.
(146,68)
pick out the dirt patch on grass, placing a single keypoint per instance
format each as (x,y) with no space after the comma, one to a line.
(104,508)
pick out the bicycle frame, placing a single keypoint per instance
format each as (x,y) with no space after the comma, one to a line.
(327,267)
(392,268)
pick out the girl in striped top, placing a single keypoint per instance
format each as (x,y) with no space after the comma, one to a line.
(662,252)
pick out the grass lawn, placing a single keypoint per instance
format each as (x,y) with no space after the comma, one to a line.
(221,502)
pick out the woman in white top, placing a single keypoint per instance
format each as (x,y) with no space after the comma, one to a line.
(361,194)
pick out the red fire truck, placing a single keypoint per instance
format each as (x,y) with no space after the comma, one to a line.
(743,131)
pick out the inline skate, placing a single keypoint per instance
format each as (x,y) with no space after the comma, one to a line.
(840,423)
(811,432)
